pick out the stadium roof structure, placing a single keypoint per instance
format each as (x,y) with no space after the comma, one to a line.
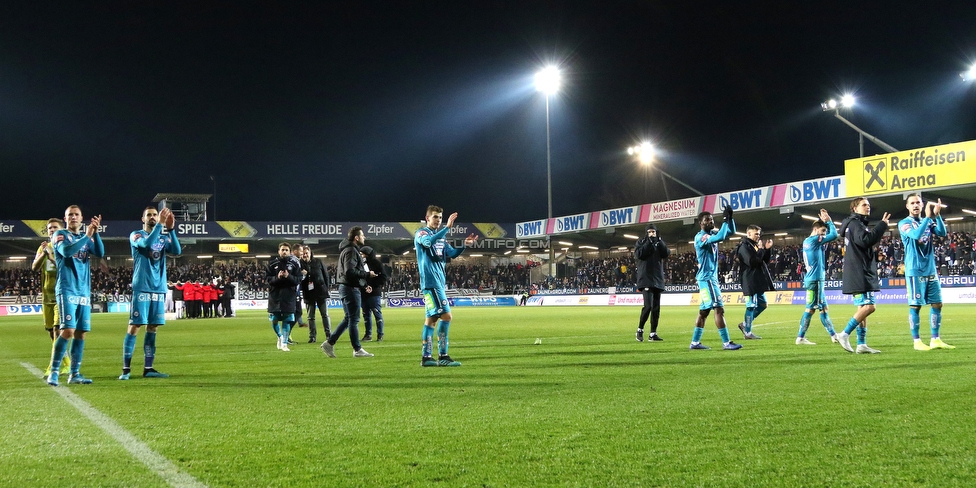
(784,208)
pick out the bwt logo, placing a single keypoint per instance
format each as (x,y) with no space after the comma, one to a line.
(617,217)
(567,224)
(815,190)
(741,199)
(530,229)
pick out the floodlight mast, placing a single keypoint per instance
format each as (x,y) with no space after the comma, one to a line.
(547,81)
(645,153)
(846,102)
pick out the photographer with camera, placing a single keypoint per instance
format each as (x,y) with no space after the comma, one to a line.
(650,253)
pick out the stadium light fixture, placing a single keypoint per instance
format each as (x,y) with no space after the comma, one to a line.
(780,234)
(522,250)
(205,256)
(631,236)
(477,255)
(972,212)
(645,152)
(508,252)
(17,258)
(847,101)
(268,256)
(970,74)
(953,219)
(809,217)
(565,243)
(548,81)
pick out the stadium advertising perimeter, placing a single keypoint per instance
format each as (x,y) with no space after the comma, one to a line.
(916,169)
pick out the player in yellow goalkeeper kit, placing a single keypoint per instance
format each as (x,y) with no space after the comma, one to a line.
(44,262)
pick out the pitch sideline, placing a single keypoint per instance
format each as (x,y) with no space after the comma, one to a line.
(138,449)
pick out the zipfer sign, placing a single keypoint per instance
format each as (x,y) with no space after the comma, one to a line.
(916,169)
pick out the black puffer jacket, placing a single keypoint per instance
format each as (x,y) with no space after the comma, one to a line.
(860,256)
(754,260)
(650,254)
(350,270)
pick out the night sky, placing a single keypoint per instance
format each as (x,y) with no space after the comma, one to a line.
(370,111)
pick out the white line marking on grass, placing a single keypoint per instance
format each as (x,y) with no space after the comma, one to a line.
(139,450)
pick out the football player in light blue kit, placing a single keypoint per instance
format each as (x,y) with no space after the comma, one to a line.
(72,252)
(433,251)
(706,248)
(921,278)
(824,232)
(149,248)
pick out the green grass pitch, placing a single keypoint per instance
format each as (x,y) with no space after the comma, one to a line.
(589,406)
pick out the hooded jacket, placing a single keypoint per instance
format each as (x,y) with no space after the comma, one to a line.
(650,253)
(283,291)
(754,259)
(860,256)
(374,265)
(350,270)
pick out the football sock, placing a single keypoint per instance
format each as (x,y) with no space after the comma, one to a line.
(697,335)
(77,352)
(747,320)
(277,329)
(128,346)
(724,332)
(825,320)
(914,321)
(759,310)
(57,354)
(442,330)
(935,321)
(149,348)
(286,331)
(851,325)
(427,336)
(862,334)
(804,323)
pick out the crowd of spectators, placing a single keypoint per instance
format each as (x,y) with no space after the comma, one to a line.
(954,256)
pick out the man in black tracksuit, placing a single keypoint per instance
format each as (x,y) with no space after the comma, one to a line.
(753,256)
(372,306)
(650,253)
(315,290)
(283,277)
(861,270)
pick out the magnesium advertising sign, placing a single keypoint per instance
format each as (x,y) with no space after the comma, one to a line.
(916,169)
(672,210)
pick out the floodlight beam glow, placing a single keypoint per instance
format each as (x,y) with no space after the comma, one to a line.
(548,80)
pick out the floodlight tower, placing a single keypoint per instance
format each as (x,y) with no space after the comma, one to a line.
(548,81)
(847,101)
(645,153)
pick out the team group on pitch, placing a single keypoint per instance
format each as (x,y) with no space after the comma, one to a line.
(860,277)
(65,262)
(66,274)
